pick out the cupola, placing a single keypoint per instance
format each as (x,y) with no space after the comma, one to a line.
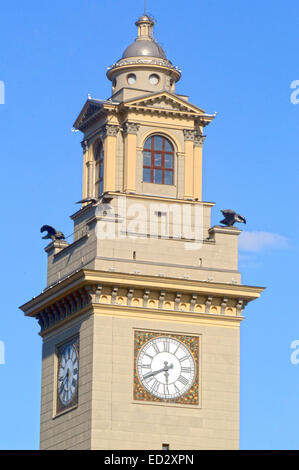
(144,66)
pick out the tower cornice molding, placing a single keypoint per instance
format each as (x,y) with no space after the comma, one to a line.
(85,289)
(110,299)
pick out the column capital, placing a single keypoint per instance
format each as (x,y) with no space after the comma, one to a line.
(199,140)
(84,145)
(109,130)
(131,128)
(189,134)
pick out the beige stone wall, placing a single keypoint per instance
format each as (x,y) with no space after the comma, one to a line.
(81,254)
(120,423)
(71,430)
(142,85)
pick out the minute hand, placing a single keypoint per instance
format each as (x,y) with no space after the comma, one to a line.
(165,369)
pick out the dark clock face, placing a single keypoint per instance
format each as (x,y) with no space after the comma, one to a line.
(67,375)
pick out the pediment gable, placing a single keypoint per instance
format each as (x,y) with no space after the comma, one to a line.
(164,101)
(90,111)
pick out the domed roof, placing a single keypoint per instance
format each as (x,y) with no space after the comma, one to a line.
(144,47)
(144,51)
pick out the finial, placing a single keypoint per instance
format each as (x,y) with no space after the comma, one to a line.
(145,25)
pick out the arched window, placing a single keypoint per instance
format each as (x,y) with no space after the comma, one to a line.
(158,160)
(99,158)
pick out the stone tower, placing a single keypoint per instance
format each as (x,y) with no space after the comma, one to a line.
(141,315)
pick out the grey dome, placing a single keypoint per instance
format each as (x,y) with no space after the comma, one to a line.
(146,18)
(144,47)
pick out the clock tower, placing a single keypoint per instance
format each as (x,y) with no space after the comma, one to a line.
(140,318)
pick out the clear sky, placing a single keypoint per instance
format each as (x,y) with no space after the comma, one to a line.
(239,59)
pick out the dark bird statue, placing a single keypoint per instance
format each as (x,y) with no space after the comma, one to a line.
(88,200)
(52,233)
(107,199)
(231,217)
(93,200)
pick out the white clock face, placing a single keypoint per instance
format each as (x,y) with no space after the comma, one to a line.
(166,367)
(68,373)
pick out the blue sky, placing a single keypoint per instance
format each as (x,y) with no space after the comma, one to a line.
(239,59)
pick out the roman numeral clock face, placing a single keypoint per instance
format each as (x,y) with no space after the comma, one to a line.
(167,369)
(67,376)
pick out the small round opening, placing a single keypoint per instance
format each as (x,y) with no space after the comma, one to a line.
(114,83)
(131,78)
(154,79)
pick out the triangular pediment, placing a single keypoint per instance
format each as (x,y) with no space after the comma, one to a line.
(164,101)
(90,110)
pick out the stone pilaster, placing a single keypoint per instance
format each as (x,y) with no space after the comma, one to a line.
(108,136)
(189,136)
(130,131)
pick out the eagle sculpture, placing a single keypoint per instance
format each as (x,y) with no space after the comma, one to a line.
(88,200)
(92,200)
(52,234)
(231,217)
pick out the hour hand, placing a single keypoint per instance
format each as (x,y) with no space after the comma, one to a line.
(165,369)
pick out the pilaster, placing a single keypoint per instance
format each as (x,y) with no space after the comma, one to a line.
(189,137)
(109,135)
(197,170)
(85,189)
(130,130)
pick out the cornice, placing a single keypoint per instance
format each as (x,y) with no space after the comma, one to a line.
(233,290)
(113,299)
(160,111)
(90,282)
(152,63)
(93,110)
(161,199)
(91,207)
(224,230)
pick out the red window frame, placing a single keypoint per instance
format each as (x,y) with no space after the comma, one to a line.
(158,152)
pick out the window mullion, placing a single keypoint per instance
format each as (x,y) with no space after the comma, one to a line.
(153,163)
